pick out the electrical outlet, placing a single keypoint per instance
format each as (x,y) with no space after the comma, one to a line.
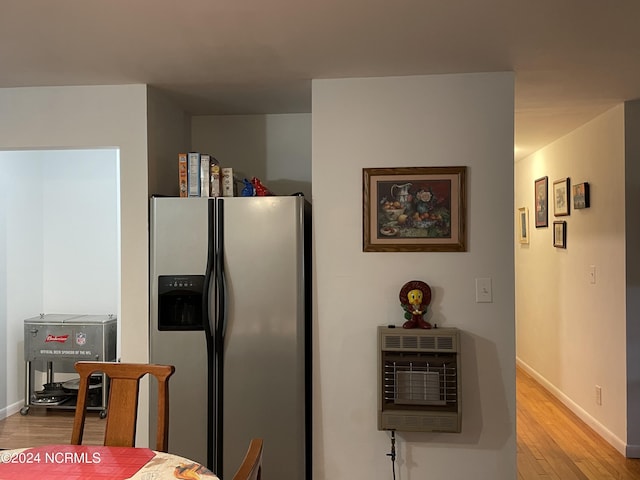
(592,274)
(598,395)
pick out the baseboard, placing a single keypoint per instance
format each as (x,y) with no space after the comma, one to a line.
(11,409)
(596,426)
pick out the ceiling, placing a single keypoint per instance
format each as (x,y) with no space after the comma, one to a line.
(573,59)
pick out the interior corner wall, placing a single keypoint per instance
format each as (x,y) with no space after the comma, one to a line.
(21,251)
(169,133)
(441,120)
(570,331)
(632,263)
(4,196)
(276,148)
(90,117)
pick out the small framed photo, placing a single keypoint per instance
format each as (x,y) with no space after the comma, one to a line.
(561,197)
(523,225)
(581,196)
(414,209)
(560,234)
(541,188)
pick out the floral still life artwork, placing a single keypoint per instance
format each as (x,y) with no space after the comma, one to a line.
(414,209)
(425,211)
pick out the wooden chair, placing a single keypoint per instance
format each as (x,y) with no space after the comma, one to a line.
(251,466)
(122,406)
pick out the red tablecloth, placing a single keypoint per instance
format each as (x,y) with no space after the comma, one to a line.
(84,462)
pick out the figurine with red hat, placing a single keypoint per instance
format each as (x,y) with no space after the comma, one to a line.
(415,297)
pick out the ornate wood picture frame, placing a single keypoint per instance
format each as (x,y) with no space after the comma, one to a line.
(414,209)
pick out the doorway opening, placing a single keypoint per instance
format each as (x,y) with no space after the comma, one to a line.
(60,245)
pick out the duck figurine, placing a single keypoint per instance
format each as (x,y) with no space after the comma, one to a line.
(248,190)
(260,189)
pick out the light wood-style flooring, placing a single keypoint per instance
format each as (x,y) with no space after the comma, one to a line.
(42,426)
(553,444)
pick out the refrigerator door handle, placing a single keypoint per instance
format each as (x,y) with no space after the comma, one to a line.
(221,278)
(209,321)
(215,325)
(222,303)
(219,337)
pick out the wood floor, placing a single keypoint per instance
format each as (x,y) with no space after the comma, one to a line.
(48,426)
(553,444)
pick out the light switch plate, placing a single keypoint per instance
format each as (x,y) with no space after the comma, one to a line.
(484,294)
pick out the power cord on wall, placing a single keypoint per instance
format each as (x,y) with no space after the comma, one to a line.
(392,454)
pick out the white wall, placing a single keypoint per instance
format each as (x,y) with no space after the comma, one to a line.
(4,195)
(80,231)
(274,148)
(412,121)
(22,252)
(571,333)
(90,117)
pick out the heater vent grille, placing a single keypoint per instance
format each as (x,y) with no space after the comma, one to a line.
(445,343)
(423,422)
(413,342)
(419,381)
(393,342)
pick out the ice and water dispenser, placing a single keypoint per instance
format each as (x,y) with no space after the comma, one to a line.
(180,299)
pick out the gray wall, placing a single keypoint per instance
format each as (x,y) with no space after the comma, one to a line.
(3,295)
(632,233)
(168,133)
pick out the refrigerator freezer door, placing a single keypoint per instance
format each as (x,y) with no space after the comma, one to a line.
(264,355)
(179,247)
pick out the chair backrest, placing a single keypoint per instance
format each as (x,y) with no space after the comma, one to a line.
(251,466)
(122,406)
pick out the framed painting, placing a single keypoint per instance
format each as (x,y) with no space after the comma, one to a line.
(414,209)
(523,225)
(581,197)
(541,189)
(560,234)
(561,197)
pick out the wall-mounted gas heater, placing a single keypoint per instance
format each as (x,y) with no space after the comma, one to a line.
(419,380)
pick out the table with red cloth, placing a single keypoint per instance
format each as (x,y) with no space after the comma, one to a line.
(86,462)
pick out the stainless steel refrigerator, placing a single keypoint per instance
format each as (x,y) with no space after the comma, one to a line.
(230,308)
